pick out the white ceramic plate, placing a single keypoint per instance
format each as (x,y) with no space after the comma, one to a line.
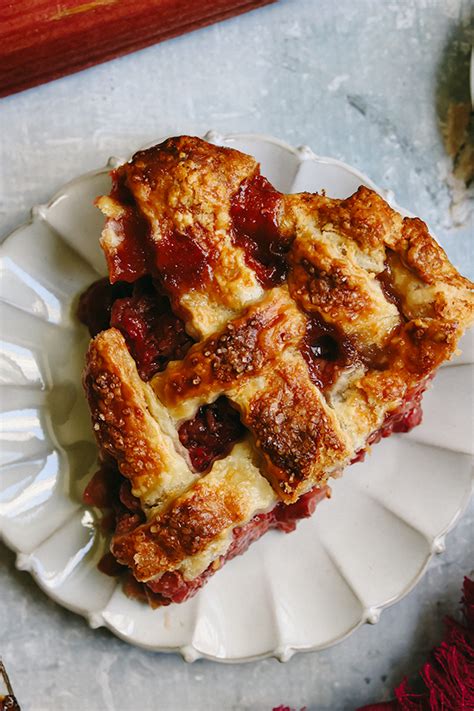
(362,551)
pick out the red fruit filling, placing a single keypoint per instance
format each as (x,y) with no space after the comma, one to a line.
(211,434)
(254,212)
(153,334)
(172,587)
(180,263)
(385,280)
(176,261)
(325,353)
(102,490)
(95,304)
(129,261)
(403,419)
(121,512)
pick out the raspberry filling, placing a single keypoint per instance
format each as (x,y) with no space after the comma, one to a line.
(254,212)
(172,587)
(154,335)
(176,260)
(211,434)
(129,261)
(325,353)
(181,263)
(110,491)
(401,420)
(95,304)
(103,489)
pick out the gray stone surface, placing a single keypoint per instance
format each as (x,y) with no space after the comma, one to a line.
(365,81)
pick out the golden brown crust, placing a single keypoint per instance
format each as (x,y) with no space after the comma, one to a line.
(187,182)
(366,233)
(197,527)
(378,281)
(124,427)
(184,187)
(424,256)
(364,217)
(117,405)
(325,282)
(183,531)
(239,352)
(298,434)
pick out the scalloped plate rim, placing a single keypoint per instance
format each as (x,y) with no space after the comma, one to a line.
(274,653)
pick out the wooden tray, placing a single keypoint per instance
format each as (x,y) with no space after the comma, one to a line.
(42,40)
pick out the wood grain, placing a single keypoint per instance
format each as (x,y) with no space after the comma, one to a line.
(42,40)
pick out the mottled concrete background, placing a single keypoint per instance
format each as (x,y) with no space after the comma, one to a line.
(366,81)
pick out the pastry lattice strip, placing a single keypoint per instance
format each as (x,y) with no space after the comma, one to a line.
(251,341)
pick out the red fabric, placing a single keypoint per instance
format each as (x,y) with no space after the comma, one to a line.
(447,678)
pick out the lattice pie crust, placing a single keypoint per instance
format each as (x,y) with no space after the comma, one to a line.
(320,320)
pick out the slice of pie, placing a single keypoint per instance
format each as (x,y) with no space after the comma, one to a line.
(248,347)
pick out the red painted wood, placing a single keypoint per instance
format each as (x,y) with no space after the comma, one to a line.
(42,40)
